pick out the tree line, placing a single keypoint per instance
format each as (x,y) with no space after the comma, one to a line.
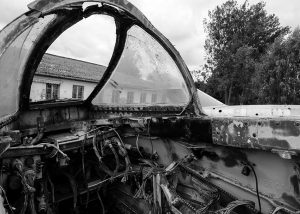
(250,57)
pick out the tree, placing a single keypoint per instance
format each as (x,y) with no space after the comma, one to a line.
(279,71)
(238,35)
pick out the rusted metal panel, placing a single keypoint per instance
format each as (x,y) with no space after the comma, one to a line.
(257,133)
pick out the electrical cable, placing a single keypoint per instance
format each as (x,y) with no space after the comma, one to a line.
(27,190)
(137,145)
(83,169)
(101,202)
(31,204)
(55,147)
(96,149)
(112,178)
(106,169)
(25,204)
(121,144)
(123,150)
(149,135)
(141,191)
(82,160)
(52,188)
(256,184)
(5,197)
(101,127)
(116,158)
(119,137)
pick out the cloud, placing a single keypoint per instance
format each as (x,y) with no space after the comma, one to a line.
(91,40)
(10,9)
(180,21)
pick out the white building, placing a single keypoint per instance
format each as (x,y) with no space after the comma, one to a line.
(64,78)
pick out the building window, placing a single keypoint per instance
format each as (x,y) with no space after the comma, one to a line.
(52,91)
(154,98)
(143,97)
(77,92)
(115,99)
(130,97)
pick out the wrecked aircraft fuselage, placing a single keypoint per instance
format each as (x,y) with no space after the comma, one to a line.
(170,157)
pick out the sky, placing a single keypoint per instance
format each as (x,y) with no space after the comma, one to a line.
(180,21)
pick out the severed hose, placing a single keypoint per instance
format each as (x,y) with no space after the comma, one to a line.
(104,167)
(116,158)
(123,151)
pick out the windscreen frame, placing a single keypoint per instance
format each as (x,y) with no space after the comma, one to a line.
(134,16)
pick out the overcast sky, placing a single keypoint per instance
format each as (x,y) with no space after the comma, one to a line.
(180,21)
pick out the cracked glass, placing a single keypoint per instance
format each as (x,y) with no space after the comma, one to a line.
(145,75)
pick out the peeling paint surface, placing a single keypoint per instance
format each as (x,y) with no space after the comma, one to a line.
(277,178)
(253,111)
(258,133)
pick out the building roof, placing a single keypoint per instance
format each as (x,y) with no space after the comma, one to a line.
(68,68)
(63,67)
